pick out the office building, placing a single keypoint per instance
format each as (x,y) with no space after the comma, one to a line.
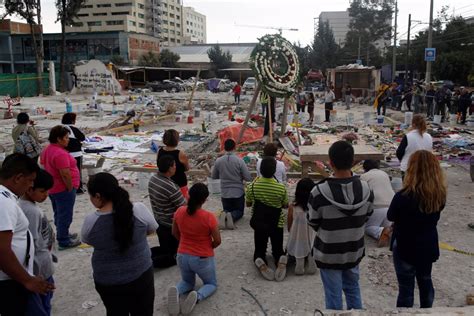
(194,27)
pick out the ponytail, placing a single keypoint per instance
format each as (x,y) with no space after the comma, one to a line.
(197,196)
(107,186)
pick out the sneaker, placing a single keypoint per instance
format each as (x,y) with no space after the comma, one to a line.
(384,238)
(173,301)
(266,272)
(229,221)
(189,303)
(73,236)
(73,243)
(299,268)
(280,272)
(311,267)
(221,219)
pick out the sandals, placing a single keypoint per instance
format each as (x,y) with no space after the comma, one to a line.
(266,272)
(280,272)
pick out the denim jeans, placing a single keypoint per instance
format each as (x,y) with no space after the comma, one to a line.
(204,267)
(63,208)
(406,274)
(235,206)
(39,304)
(337,281)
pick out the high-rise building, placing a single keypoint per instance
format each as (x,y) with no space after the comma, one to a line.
(172,27)
(194,26)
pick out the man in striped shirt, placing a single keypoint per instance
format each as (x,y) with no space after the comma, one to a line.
(268,197)
(165,198)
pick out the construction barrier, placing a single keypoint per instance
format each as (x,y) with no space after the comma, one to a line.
(24,85)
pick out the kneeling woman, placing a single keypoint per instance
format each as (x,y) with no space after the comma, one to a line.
(198,235)
(121,261)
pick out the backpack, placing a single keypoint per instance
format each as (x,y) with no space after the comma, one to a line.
(27,145)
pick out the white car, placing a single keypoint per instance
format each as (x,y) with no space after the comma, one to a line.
(250,84)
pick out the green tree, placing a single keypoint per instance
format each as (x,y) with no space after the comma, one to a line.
(30,11)
(149,59)
(219,59)
(67,12)
(304,56)
(324,52)
(169,59)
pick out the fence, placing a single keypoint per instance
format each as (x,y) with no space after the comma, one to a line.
(24,85)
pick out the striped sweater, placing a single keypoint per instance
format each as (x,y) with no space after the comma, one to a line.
(338,210)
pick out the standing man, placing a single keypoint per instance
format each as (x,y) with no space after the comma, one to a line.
(429,100)
(264,99)
(165,199)
(17,249)
(232,172)
(237,90)
(328,102)
(348,95)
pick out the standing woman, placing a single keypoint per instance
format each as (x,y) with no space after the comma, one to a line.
(121,261)
(416,139)
(198,235)
(171,140)
(62,166)
(415,211)
(328,101)
(311,107)
(76,137)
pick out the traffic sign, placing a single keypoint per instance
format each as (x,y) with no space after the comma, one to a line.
(430,54)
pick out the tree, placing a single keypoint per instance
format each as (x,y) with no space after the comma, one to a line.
(370,22)
(169,59)
(304,56)
(30,10)
(219,59)
(149,59)
(325,51)
(67,12)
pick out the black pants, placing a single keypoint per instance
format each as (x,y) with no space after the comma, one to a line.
(327,108)
(135,298)
(463,110)
(261,237)
(79,166)
(300,107)
(13,298)
(164,256)
(382,105)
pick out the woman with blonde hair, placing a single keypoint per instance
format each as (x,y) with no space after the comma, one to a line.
(415,212)
(416,139)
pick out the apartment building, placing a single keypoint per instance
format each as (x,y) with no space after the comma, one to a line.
(172,26)
(194,27)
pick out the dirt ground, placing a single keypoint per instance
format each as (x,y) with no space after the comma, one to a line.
(296,295)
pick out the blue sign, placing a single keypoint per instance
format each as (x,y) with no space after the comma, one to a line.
(430,54)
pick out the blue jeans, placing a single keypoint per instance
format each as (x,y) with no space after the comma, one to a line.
(235,206)
(63,208)
(38,304)
(337,281)
(204,267)
(406,274)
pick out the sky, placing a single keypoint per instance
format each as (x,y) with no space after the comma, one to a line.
(223,16)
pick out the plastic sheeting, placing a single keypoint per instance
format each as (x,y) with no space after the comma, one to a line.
(251,134)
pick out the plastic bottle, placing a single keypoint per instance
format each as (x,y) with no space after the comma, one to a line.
(68,105)
(203,125)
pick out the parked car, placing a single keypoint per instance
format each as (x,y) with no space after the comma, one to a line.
(314,75)
(165,85)
(250,84)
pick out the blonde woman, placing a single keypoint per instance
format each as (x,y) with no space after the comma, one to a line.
(415,212)
(414,140)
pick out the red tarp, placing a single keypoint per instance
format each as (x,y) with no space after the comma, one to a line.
(251,134)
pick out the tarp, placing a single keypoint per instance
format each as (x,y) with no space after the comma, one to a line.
(251,134)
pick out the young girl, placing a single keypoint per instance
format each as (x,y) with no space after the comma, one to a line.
(415,211)
(121,261)
(198,235)
(301,237)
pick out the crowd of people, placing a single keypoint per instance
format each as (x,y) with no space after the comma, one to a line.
(326,222)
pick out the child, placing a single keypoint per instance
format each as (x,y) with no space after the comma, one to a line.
(301,237)
(198,235)
(268,197)
(43,238)
(338,209)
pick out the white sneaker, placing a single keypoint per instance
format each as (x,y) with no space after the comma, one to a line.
(189,303)
(222,220)
(173,301)
(229,221)
(311,267)
(299,268)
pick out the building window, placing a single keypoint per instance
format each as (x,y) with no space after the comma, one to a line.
(120,13)
(119,22)
(94,23)
(141,25)
(178,41)
(178,33)
(172,40)
(87,6)
(178,25)
(165,22)
(165,5)
(77,24)
(191,23)
(171,32)
(141,16)
(141,6)
(171,7)
(107,5)
(99,14)
(125,4)
(171,15)
(178,9)
(83,14)
(133,23)
(171,23)
(187,22)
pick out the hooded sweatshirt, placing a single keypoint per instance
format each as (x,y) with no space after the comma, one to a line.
(338,210)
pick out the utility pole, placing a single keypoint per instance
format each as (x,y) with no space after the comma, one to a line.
(358,54)
(430,44)
(394,57)
(408,50)
(368,56)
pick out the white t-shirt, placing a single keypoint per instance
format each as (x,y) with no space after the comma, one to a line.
(280,173)
(379,183)
(13,219)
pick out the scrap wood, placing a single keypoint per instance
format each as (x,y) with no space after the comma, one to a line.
(130,126)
